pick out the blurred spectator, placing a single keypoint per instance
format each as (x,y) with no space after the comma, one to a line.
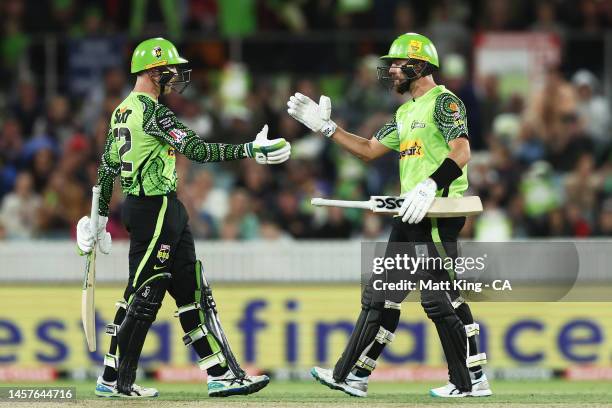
(230,229)
(604,224)
(41,151)
(593,109)
(58,122)
(455,77)
(582,185)
(447,28)
(271,231)
(373,228)
(165,11)
(404,18)
(364,96)
(194,118)
(337,226)
(19,209)
(490,103)
(114,86)
(493,226)
(498,15)
(289,217)
(591,18)
(11,147)
(14,41)
(241,213)
(550,106)
(539,195)
(27,108)
(546,18)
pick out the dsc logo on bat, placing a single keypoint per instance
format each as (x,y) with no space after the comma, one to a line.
(388,202)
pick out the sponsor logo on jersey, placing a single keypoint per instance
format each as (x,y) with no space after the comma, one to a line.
(164,253)
(415,124)
(177,134)
(411,148)
(171,152)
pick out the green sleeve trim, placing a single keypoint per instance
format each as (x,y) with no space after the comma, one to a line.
(161,123)
(158,226)
(450,116)
(388,136)
(109,169)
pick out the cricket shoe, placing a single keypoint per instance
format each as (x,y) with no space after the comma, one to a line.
(109,390)
(353,385)
(228,384)
(448,391)
(480,388)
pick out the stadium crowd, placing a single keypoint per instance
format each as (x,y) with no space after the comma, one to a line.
(541,162)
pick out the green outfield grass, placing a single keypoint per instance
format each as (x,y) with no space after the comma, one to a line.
(311,394)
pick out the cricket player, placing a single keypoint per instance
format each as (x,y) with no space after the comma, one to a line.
(143,141)
(430,134)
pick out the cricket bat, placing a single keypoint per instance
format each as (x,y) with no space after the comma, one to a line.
(442,207)
(88,303)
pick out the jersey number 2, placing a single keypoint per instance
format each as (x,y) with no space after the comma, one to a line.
(119,133)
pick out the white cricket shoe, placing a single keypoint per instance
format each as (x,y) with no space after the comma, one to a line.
(448,391)
(109,390)
(481,387)
(228,384)
(353,385)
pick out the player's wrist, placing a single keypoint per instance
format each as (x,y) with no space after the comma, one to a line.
(329,128)
(248,150)
(448,172)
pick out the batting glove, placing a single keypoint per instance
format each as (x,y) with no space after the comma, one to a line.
(85,236)
(417,201)
(266,151)
(314,117)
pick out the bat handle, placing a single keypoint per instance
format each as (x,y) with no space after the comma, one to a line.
(95,206)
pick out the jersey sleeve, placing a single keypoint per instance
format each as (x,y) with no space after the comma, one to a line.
(450,116)
(388,135)
(110,167)
(162,123)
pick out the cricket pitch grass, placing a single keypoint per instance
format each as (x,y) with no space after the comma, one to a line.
(311,394)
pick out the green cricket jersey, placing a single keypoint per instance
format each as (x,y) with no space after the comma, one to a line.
(420,131)
(141,145)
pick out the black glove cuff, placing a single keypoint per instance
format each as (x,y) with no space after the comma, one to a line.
(446,173)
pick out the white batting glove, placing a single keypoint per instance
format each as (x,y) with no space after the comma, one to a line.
(313,116)
(85,236)
(417,201)
(266,151)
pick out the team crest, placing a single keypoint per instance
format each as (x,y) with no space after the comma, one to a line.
(157,52)
(416,46)
(164,253)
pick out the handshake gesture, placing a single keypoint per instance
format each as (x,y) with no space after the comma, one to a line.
(266,151)
(314,116)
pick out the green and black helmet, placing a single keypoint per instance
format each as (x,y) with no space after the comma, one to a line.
(420,55)
(161,55)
